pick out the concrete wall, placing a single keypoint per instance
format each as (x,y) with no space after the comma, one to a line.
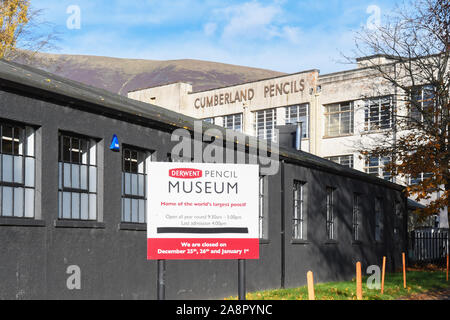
(35,254)
(174,96)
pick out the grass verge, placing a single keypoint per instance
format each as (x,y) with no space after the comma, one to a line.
(416,282)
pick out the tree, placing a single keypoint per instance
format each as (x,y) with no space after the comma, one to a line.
(410,54)
(22,32)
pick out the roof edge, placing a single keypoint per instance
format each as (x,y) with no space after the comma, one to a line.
(25,77)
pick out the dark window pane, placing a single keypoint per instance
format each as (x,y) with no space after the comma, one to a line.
(84,151)
(17,141)
(75,151)
(7,138)
(66,149)
(134,166)
(126,160)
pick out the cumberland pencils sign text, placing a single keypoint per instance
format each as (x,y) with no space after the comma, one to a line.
(202,211)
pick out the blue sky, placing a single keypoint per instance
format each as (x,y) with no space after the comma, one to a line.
(282,35)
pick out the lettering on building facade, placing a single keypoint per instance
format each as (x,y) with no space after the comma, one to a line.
(270,91)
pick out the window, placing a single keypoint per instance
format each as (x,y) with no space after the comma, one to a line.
(17,164)
(134,173)
(375,167)
(398,210)
(356,216)
(299,218)
(378,113)
(378,219)
(346,161)
(233,122)
(263,226)
(420,178)
(265,121)
(339,119)
(77,190)
(398,217)
(330,222)
(299,113)
(422,103)
(209,120)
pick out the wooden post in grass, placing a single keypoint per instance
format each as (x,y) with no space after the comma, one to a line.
(447,257)
(310,279)
(383,274)
(404,270)
(447,267)
(358,281)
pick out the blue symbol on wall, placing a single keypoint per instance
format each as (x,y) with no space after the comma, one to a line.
(115,143)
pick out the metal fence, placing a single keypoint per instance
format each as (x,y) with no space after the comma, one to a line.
(428,246)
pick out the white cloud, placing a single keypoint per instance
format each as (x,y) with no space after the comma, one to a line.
(209,28)
(250,18)
(292,34)
(252,21)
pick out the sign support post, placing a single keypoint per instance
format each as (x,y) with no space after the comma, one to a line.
(161,280)
(241,279)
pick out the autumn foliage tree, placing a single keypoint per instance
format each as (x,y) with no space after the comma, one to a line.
(22,31)
(414,41)
(13,18)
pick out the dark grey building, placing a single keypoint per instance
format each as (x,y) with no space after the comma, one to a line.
(68,200)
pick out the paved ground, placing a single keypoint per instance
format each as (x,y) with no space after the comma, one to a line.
(431,295)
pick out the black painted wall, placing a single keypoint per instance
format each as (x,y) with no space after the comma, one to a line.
(34,256)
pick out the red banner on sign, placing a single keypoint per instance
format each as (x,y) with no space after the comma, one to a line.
(199,248)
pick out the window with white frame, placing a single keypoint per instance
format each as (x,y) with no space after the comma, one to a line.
(299,113)
(77,187)
(375,166)
(339,119)
(134,173)
(17,170)
(378,113)
(233,122)
(265,122)
(299,216)
(346,160)
(263,223)
(420,178)
(331,214)
(378,219)
(356,216)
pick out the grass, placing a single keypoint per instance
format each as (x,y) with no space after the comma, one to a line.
(416,282)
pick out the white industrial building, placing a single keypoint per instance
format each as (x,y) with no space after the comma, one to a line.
(339,112)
